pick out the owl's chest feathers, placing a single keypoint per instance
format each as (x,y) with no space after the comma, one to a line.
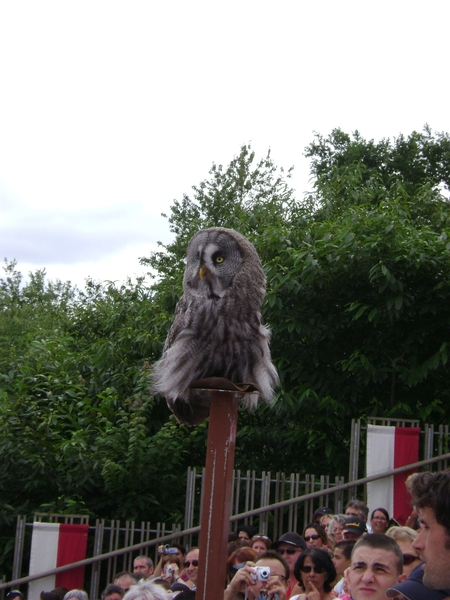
(218,321)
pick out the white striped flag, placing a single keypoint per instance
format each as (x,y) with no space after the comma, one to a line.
(388,448)
(54,545)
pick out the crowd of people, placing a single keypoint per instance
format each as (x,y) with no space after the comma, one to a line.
(348,556)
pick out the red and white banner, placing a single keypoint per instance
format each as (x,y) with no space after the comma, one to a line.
(54,545)
(388,448)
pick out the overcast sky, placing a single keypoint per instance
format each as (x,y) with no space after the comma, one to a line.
(110,110)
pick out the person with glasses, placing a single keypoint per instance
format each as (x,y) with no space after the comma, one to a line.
(315,572)
(124,580)
(290,546)
(335,530)
(246,584)
(188,579)
(379,520)
(405,536)
(260,543)
(238,559)
(315,536)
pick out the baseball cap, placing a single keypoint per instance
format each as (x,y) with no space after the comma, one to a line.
(413,588)
(355,525)
(292,538)
(323,510)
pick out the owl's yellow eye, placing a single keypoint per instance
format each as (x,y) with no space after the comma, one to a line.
(219,259)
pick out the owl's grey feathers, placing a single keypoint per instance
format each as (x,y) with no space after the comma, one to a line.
(217,329)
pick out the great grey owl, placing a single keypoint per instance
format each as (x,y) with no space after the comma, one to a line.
(217,330)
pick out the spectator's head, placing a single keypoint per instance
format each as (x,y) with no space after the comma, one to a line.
(125,580)
(379,520)
(376,565)
(278,568)
(49,596)
(342,556)
(14,595)
(191,564)
(238,559)
(354,528)
(260,543)
(405,536)
(112,592)
(321,512)
(431,497)
(147,590)
(235,545)
(169,559)
(335,528)
(143,567)
(413,588)
(246,532)
(315,536)
(76,595)
(175,550)
(290,546)
(315,566)
(356,508)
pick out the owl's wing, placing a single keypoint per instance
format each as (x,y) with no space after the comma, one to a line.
(177,325)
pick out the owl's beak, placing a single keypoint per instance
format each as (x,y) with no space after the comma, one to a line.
(203,271)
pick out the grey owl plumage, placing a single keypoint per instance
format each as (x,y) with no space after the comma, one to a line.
(217,330)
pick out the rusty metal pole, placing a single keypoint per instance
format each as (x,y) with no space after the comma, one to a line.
(216,503)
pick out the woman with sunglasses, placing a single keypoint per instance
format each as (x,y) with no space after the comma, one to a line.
(315,571)
(188,578)
(404,536)
(238,559)
(315,536)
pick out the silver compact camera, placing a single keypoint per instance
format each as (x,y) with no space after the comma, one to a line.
(169,571)
(262,573)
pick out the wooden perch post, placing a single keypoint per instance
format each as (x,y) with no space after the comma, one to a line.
(217,485)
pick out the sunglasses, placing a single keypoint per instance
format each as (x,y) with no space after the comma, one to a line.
(260,537)
(307,538)
(288,551)
(408,559)
(308,569)
(188,563)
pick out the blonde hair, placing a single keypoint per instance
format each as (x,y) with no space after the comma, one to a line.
(402,534)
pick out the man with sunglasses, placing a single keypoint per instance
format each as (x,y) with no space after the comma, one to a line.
(290,546)
(273,587)
(188,579)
